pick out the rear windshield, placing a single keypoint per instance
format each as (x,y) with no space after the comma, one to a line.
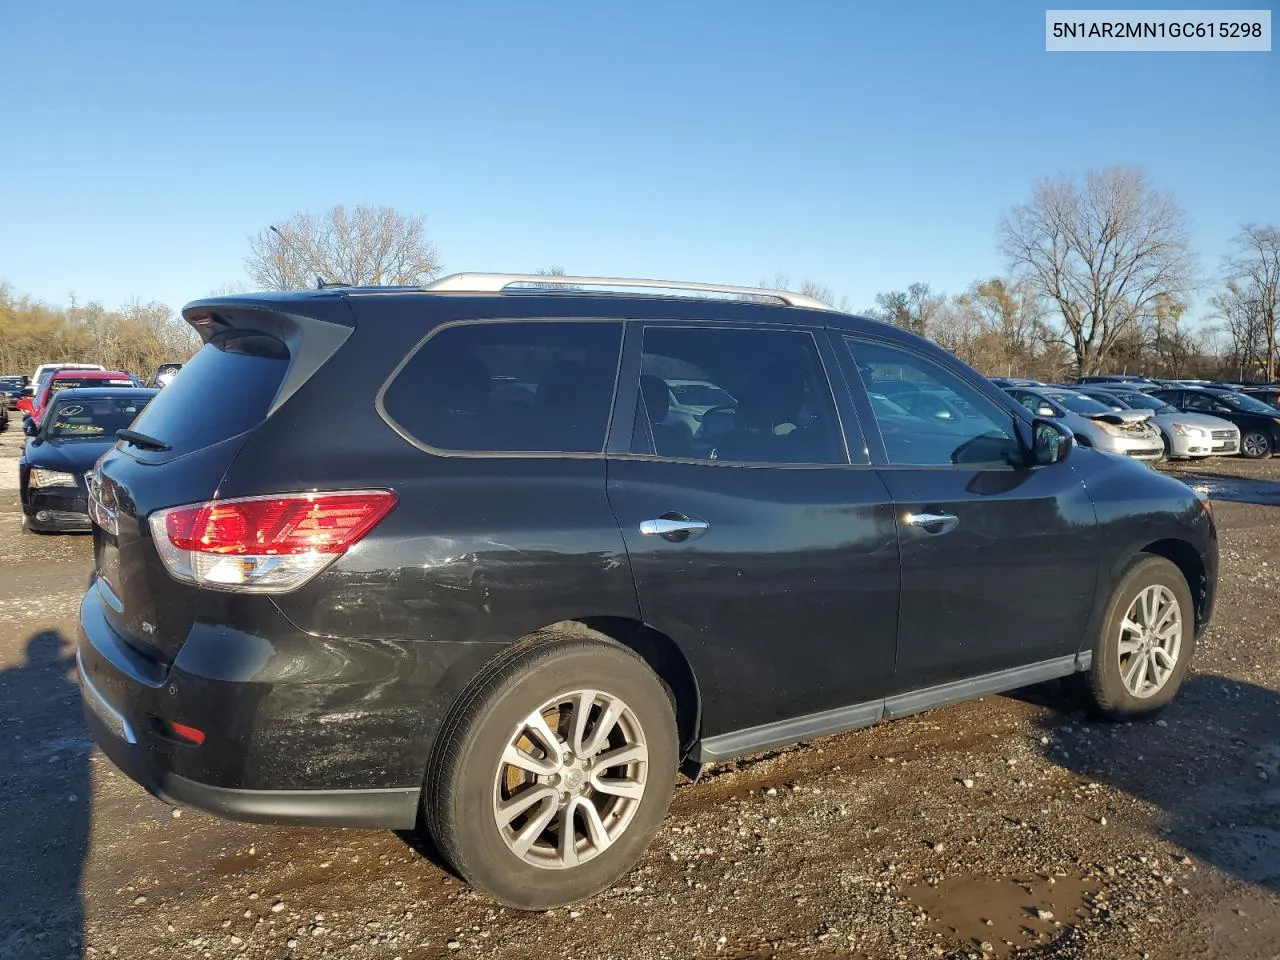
(224,390)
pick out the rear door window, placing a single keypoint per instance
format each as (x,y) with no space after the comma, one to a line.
(520,386)
(225,390)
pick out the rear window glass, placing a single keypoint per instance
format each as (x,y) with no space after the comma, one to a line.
(514,387)
(93,419)
(224,390)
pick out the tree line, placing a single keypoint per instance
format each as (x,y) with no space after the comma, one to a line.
(1100,275)
(137,338)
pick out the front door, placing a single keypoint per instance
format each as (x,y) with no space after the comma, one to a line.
(998,559)
(755,544)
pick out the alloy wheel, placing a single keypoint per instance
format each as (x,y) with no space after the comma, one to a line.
(1150,641)
(570,779)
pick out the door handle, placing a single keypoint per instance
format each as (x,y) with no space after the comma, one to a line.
(934,524)
(674,527)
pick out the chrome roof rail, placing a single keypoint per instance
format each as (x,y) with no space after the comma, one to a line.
(540,283)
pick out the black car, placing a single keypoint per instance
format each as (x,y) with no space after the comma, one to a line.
(509,616)
(80,426)
(1270,395)
(10,391)
(1259,423)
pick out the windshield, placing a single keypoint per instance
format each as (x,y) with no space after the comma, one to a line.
(93,419)
(1108,400)
(700,395)
(66,384)
(1144,401)
(1079,403)
(1247,404)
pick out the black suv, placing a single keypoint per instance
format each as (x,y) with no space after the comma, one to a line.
(504,592)
(1259,422)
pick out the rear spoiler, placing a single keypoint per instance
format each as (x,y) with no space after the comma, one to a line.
(311,328)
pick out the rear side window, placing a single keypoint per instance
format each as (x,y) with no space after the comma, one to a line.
(224,390)
(508,387)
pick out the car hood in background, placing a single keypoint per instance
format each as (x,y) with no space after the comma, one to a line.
(69,456)
(1119,416)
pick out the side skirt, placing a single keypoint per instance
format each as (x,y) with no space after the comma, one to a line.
(856,716)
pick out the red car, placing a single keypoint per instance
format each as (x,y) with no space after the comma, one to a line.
(67,379)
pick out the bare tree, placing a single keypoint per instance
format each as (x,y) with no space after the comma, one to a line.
(364,245)
(916,310)
(1103,251)
(1254,270)
(809,288)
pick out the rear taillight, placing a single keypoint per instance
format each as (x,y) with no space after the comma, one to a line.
(265,544)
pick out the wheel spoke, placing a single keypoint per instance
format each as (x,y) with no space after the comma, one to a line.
(508,810)
(568,849)
(627,753)
(609,717)
(532,830)
(1168,615)
(595,826)
(1137,669)
(1128,647)
(1161,656)
(1129,625)
(1148,607)
(536,724)
(1170,630)
(631,789)
(526,761)
(582,705)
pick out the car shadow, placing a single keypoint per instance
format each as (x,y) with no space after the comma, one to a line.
(1209,762)
(44,753)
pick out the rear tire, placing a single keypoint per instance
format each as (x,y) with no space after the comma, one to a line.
(1147,641)
(499,798)
(1255,444)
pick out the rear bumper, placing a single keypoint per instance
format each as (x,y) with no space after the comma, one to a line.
(299,729)
(118,738)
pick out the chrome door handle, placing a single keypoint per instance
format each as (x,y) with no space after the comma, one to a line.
(673,527)
(934,523)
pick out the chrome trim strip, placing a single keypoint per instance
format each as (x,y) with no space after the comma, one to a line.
(842,719)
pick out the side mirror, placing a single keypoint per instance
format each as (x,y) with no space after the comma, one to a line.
(1050,442)
(30,427)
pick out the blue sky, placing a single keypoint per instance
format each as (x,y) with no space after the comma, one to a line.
(864,145)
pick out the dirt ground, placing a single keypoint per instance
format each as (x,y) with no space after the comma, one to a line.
(1013,826)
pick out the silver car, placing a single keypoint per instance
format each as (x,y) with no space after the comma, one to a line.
(1126,432)
(1186,435)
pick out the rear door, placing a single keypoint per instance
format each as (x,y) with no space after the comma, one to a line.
(755,542)
(198,426)
(998,559)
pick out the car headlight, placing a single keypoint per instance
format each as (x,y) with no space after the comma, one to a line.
(1186,430)
(1112,428)
(51,478)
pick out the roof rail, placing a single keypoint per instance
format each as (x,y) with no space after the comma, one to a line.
(501,282)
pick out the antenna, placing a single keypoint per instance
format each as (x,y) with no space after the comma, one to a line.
(321,282)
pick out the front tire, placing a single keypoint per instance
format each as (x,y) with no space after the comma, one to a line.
(553,771)
(1255,445)
(1147,641)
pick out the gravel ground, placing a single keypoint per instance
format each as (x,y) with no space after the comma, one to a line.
(1009,827)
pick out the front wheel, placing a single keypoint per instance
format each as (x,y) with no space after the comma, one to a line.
(1255,445)
(1147,640)
(554,771)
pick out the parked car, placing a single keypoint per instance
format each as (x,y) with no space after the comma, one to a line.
(1114,378)
(513,623)
(80,426)
(1185,435)
(11,391)
(1095,424)
(1259,423)
(60,380)
(45,370)
(1270,395)
(163,375)
(1003,382)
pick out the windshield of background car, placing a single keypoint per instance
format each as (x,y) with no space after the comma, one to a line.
(92,419)
(1079,403)
(1144,401)
(1247,404)
(700,395)
(68,383)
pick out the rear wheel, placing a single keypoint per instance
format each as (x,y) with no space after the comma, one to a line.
(1147,640)
(1255,444)
(554,771)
